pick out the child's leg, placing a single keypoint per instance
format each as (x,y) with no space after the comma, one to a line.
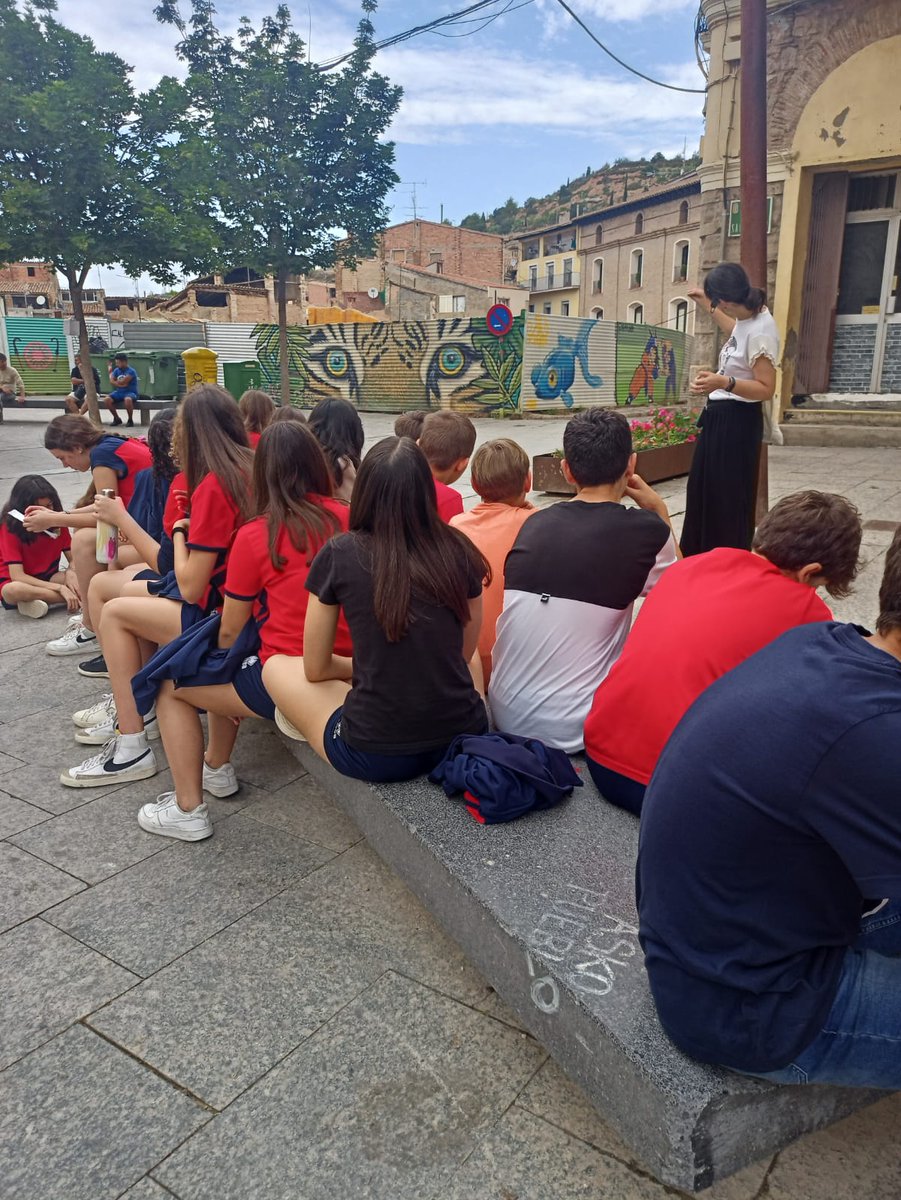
(307,705)
(182,733)
(18,592)
(223,733)
(107,586)
(126,621)
(84,561)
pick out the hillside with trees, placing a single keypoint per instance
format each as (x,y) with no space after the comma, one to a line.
(613,183)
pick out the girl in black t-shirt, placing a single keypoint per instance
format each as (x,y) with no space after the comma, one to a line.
(411,591)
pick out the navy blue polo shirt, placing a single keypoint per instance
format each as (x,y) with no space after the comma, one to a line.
(773,813)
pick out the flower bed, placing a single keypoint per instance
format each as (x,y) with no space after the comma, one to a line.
(664,439)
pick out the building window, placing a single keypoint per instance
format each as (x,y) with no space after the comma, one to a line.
(679,315)
(550,275)
(504,300)
(564,308)
(533,278)
(30,272)
(444,303)
(683,213)
(531,308)
(459,304)
(567,272)
(398,256)
(212,299)
(19,301)
(636,274)
(636,314)
(680,262)
(598,314)
(639,222)
(599,235)
(597,282)
(546,309)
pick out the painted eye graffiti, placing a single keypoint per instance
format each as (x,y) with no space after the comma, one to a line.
(552,378)
(336,366)
(337,363)
(451,361)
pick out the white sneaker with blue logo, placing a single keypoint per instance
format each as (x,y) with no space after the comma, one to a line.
(103,769)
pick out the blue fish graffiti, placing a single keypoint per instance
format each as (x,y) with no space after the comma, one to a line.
(553,377)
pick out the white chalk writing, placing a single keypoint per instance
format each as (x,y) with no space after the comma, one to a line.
(592,947)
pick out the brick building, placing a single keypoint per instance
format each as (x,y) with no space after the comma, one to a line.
(413,293)
(834,186)
(629,262)
(479,259)
(30,288)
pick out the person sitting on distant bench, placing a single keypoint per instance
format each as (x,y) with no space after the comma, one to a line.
(769,836)
(125,387)
(77,400)
(11,385)
(706,615)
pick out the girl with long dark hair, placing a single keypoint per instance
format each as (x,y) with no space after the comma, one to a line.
(257,410)
(114,463)
(30,576)
(267,570)
(411,589)
(339,430)
(210,442)
(723,482)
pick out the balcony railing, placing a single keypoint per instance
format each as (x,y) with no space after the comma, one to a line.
(555,282)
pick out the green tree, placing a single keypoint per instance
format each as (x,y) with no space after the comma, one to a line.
(78,159)
(503,217)
(291,167)
(476,221)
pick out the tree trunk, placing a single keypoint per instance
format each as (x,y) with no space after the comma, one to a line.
(76,286)
(284,372)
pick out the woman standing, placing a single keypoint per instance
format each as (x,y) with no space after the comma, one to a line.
(722,484)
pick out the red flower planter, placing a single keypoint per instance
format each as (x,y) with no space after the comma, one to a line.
(662,462)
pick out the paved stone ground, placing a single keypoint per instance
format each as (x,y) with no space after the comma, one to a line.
(271,1015)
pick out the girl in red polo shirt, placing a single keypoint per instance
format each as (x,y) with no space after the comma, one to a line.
(30,578)
(265,581)
(113,461)
(210,442)
(257,409)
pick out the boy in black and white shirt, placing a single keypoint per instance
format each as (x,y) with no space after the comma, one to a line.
(570,583)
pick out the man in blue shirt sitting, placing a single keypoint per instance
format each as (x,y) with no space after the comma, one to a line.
(125,387)
(770,834)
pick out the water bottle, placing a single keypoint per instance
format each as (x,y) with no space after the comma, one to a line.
(107,536)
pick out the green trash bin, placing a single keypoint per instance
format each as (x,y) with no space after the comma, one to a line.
(157,372)
(241,376)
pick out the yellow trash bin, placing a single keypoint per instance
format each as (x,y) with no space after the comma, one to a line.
(200,366)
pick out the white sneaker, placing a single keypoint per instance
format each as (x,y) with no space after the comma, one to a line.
(102,770)
(33,608)
(97,714)
(167,819)
(100,734)
(75,640)
(220,781)
(287,728)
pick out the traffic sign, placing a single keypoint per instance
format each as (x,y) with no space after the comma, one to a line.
(500,320)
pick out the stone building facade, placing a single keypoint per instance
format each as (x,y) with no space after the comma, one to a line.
(412,293)
(834,186)
(30,289)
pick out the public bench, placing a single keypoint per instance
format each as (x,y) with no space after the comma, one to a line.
(144,405)
(544,907)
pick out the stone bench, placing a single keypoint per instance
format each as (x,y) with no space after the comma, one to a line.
(143,406)
(544,907)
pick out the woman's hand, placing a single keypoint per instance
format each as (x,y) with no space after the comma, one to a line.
(706,382)
(697,294)
(184,523)
(72,599)
(109,509)
(38,518)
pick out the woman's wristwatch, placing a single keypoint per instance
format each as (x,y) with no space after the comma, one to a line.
(730,383)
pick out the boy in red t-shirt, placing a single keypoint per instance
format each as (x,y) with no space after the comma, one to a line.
(447,440)
(706,615)
(30,575)
(502,478)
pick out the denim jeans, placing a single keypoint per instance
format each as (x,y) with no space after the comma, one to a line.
(860,1042)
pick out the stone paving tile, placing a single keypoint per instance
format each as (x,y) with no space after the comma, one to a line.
(9,762)
(384,1101)
(29,679)
(558,1101)
(153,912)
(524,1158)
(28,886)
(360,877)
(102,836)
(285,969)
(80,1120)
(260,757)
(493,1006)
(49,981)
(16,815)
(857,1159)
(146,1189)
(305,809)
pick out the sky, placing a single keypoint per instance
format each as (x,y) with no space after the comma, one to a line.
(513,108)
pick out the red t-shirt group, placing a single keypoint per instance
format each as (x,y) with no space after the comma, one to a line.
(39,558)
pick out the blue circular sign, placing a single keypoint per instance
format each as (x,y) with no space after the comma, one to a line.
(500,320)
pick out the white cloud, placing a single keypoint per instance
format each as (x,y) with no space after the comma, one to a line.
(556,19)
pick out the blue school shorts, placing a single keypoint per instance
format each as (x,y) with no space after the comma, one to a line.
(374,768)
(248,683)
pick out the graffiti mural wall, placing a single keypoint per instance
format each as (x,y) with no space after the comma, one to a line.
(650,364)
(568,363)
(393,366)
(39,352)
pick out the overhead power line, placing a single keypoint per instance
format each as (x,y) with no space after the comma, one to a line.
(597,41)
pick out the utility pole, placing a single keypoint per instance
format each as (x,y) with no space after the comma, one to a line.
(754,173)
